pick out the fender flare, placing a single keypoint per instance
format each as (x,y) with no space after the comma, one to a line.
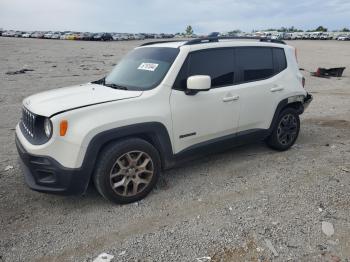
(295,102)
(153,132)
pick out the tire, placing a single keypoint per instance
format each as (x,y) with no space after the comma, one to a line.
(127,170)
(286,130)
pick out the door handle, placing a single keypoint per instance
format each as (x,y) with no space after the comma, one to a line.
(276,88)
(230,98)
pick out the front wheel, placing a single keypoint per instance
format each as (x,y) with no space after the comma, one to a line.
(127,170)
(286,130)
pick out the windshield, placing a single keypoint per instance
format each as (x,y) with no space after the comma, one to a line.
(143,68)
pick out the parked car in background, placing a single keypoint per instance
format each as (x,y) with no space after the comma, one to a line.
(139,37)
(315,35)
(71,36)
(103,37)
(18,33)
(343,37)
(38,35)
(26,34)
(324,36)
(117,37)
(97,37)
(9,33)
(48,35)
(56,35)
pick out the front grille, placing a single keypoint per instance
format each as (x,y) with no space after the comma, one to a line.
(28,122)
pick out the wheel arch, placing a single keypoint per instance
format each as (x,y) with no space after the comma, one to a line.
(153,132)
(286,103)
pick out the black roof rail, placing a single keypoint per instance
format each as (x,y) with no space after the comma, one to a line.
(160,42)
(211,39)
(217,38)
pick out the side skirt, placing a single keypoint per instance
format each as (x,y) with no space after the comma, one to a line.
(220,144)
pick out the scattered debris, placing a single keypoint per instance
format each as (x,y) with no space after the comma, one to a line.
(203,259)
(270,246)
(22,71)
(107,55)
(122,253)
(230,208)
(7,168)
(327,73)
(335,258)
(321,207)
(327,228)
(321,247)
(345,169)
(104,257)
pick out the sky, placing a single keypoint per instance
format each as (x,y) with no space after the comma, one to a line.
(171,16)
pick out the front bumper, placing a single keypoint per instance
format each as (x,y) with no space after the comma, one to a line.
(45,174)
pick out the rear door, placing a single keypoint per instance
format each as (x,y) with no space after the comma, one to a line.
(260,85)
(208,114)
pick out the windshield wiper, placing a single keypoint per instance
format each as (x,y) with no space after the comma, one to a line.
(111,85)
(115,86)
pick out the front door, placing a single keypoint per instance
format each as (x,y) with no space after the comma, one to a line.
(208,114)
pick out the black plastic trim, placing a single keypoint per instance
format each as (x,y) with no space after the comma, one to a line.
(220,144)
(45,174)
(37,127)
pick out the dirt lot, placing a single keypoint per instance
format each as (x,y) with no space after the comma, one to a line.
(229,206)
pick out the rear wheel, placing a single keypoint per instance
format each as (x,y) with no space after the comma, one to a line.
(286,130)
(127,170)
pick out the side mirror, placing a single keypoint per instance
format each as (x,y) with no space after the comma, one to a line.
(198,83)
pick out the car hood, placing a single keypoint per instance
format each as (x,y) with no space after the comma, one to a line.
(63,99)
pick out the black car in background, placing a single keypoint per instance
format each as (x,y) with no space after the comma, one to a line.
(103,37)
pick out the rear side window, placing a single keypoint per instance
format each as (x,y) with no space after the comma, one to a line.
(279,60)
(255,63)
(217,63)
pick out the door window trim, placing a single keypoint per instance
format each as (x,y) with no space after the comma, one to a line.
(238,74)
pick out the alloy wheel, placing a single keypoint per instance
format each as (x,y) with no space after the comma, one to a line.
(287,129)
(131,173)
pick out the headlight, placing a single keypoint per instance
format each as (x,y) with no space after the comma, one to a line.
(48,127)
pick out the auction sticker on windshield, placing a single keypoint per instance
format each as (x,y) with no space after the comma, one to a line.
(148,66)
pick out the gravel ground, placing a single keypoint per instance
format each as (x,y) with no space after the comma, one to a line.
(247,204)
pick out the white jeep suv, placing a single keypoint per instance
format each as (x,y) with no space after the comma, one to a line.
(163,103)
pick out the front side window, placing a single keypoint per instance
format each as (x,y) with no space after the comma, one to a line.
(143,68)
(216,63)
